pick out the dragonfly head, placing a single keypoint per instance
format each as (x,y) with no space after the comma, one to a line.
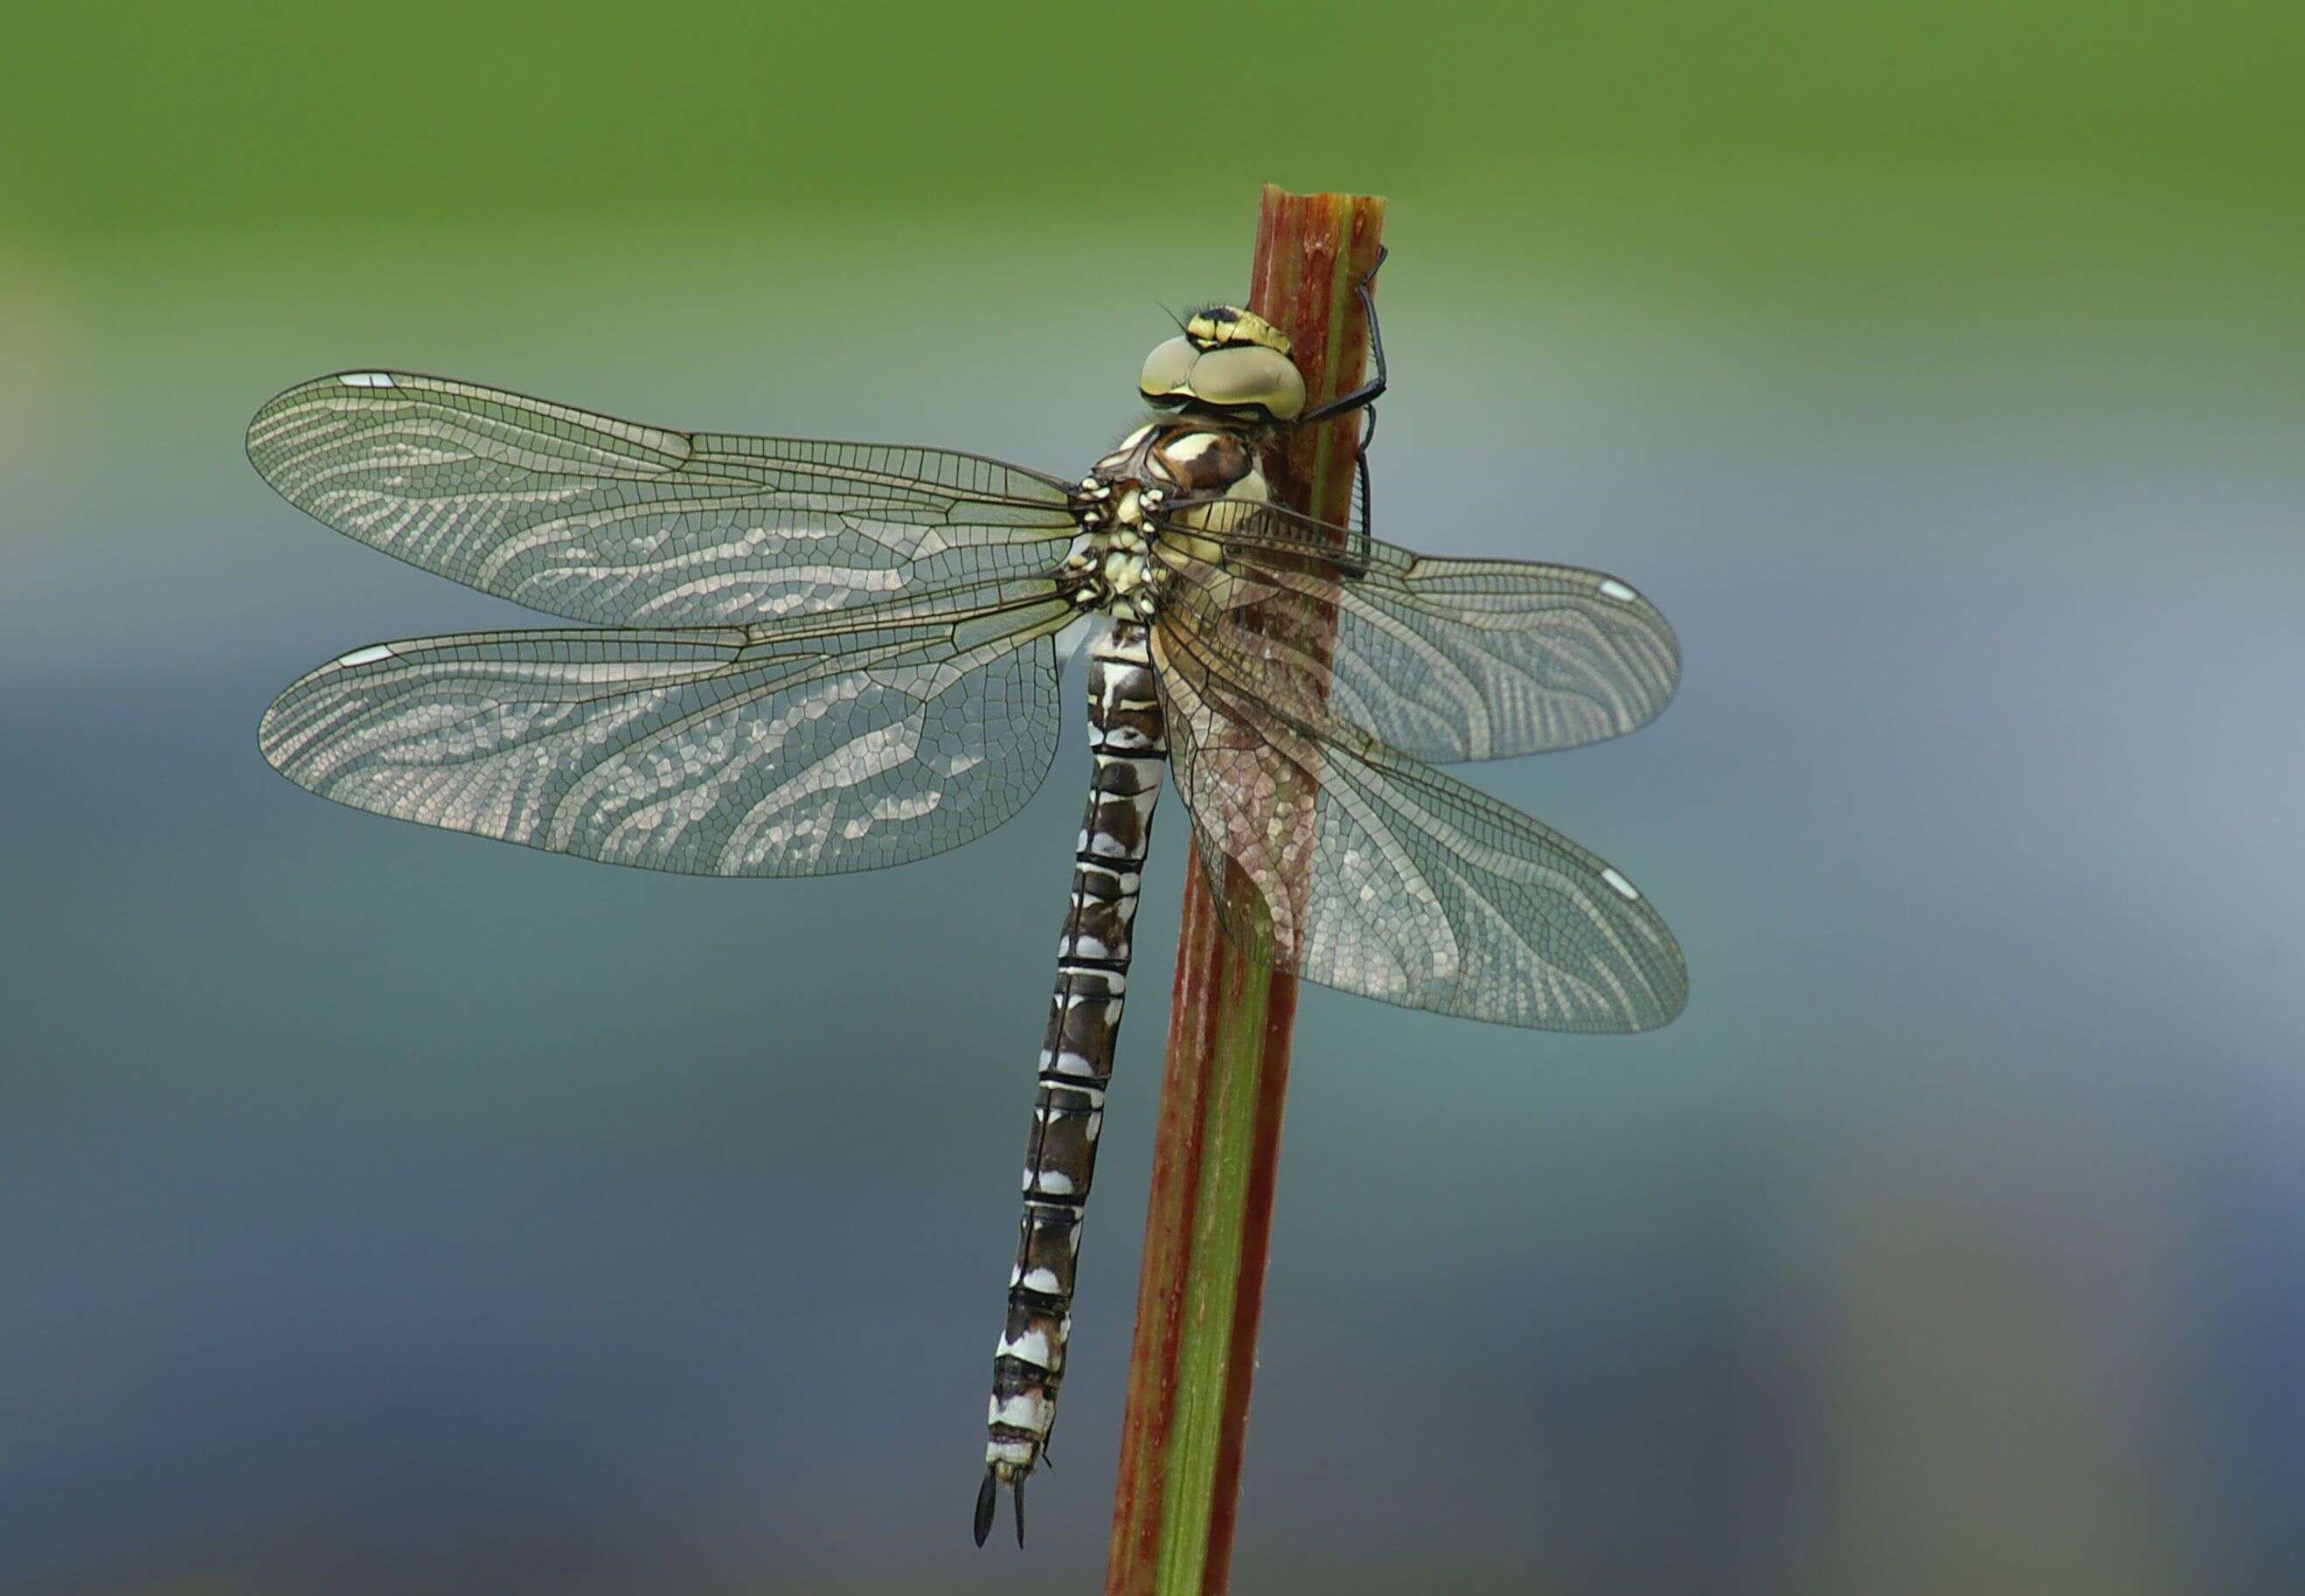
(1226,359)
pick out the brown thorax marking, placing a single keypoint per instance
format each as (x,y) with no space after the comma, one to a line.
(1128,490)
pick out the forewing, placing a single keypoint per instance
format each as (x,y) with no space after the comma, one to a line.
(1334,858)
(718,751)
(617,523)
(1441,659)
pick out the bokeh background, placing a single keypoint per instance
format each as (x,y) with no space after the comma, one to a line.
(384,1210)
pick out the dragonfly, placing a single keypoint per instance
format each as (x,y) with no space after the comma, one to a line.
(797,657)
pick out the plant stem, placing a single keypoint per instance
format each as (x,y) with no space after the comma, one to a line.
(1209,1223)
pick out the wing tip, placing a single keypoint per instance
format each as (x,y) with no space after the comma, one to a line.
(368,381)
(274,741)
(1672,1000)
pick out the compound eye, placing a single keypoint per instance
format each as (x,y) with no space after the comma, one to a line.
(1245,374)
(1168,370)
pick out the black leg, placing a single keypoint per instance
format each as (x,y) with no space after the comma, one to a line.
(1363,398)
(1361,466)
(1369,392)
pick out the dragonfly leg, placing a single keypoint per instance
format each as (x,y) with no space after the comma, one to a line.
(1370,391)
(1361,466)
(1363,398)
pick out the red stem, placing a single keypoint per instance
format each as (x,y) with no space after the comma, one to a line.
(1216,1159)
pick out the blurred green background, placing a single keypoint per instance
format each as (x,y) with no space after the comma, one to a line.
(388,1210)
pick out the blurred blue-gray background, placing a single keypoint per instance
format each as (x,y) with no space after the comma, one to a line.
(384,1210)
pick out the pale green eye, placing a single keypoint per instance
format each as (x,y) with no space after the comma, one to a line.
(1246,374)
(1166,368)
(1234,376)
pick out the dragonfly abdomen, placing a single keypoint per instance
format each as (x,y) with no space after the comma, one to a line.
(1129,745)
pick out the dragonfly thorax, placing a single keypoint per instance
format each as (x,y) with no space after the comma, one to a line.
(1131,580)
(1150,488)
(1112,569)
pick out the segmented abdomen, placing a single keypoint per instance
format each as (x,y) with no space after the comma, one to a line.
(1129,745)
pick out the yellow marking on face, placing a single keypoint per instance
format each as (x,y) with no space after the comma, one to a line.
(1223,325)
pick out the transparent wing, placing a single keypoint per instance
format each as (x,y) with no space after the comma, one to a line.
(1441,659)
(1335,858)
(718,751)
(616,523)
